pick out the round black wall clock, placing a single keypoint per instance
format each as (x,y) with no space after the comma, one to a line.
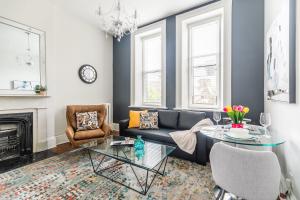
(87,74)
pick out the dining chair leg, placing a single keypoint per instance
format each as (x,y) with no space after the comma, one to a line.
(222,195)
(217,192)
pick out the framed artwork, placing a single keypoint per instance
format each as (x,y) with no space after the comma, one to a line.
(25,85)
(280,50)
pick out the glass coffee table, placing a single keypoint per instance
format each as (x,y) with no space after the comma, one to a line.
(154,161)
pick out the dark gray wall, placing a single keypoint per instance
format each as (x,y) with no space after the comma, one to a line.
(121,78)
(121,71)
(248,55)
(171,62)
(247,61)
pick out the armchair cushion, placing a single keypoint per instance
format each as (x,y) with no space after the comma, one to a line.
(89,134)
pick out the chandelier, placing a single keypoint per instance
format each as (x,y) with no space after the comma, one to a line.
(117,22)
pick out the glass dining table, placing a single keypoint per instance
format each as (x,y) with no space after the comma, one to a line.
(259,137)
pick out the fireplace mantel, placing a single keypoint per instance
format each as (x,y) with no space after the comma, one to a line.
(43,137)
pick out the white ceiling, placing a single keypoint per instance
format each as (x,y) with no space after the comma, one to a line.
(148,10)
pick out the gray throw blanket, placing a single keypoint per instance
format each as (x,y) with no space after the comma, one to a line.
(187,140)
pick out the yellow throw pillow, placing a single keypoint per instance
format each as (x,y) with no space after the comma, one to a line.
(134,118)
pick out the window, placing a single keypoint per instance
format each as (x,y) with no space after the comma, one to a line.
(152,70)
(204,64)
(203,49)
(148,66)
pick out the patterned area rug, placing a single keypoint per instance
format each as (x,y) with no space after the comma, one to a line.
(70,176)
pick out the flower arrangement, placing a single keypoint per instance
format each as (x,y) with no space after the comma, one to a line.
(236,114)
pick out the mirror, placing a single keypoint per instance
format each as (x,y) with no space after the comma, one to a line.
(22,58)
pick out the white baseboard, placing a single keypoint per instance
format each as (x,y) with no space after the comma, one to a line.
(41,146)
(61,138)
(51,142)
(46,144)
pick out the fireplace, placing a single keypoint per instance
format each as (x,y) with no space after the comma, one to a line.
(16,136)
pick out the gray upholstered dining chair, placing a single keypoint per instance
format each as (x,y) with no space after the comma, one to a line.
(251,175)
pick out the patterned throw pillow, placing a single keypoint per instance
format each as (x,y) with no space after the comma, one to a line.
(149,120)
(87,121)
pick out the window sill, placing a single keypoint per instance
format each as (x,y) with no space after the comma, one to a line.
(200,109)
(149,107)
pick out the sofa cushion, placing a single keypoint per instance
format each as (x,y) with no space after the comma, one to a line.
(134,118)
(161,135)
(149,120)
(167,119)
(89,134)
(187,119)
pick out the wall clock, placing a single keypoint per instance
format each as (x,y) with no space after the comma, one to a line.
(87,74)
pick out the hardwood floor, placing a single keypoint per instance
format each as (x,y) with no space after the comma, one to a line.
(62,148)
(8,165)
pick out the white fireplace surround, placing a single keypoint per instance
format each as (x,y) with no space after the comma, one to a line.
(42,138)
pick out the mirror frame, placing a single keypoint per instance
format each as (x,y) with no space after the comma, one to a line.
(42,35)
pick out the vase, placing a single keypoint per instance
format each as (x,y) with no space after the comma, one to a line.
(139,143)
(237,125)
(42,93)
(139,147)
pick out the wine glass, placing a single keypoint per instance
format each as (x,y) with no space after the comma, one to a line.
(265,121)
(217,117)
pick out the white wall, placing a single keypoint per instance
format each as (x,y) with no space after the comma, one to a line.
(285,123)
(76,43)
(70,42)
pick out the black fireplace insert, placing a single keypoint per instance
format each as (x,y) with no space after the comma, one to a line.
(16,136)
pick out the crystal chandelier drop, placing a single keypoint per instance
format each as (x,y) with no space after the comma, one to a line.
(117,22)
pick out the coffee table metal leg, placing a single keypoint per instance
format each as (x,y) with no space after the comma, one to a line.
(145,188)
(101,161)
(156,172)
(146,182)
(166,160)
(137,178)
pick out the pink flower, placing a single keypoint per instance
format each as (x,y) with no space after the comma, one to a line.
(240,108)
(234,108)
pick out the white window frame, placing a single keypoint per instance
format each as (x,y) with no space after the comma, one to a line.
(219,70)
(137,70)
(220,9)
(145,72)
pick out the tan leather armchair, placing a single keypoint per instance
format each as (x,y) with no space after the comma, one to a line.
(80,137)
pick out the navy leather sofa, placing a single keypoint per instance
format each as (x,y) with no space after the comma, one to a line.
(169,121)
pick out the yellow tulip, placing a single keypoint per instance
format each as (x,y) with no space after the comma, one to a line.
(246,110)
(229,109)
